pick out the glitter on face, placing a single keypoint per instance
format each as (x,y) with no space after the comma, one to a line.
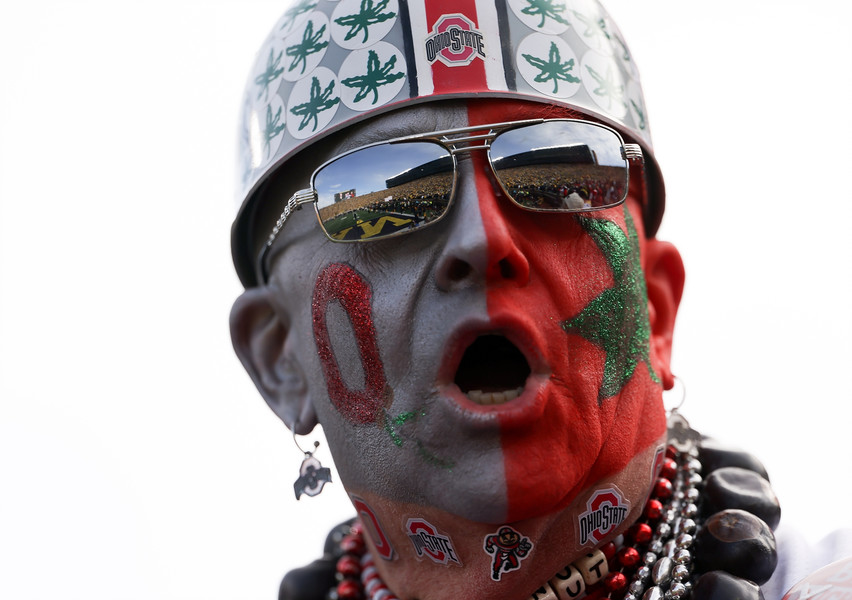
(341,283)
(617,319)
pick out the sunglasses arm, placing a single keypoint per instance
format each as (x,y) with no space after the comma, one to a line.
(632,152)
(306,196)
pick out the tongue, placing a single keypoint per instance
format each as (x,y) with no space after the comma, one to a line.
(492,370)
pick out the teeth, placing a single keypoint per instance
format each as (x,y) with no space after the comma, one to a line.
(493,398)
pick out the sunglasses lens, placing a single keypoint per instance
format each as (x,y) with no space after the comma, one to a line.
(384,190)
(561,166)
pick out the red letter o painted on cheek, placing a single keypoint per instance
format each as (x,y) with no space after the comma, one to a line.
(342,283)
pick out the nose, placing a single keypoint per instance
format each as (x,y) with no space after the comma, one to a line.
(480,247)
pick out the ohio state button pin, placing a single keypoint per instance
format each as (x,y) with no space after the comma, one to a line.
(833,582)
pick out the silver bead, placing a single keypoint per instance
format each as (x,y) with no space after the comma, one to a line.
(694,479)
(687,526)
(650,558)
(680,572)
(677,590)
(637,587)
(693,495)
(656,546)
(662,570)
(690,511)
(684,540)
(670,515)
(642,574)
(630,596)
(694,465)
(664,530)
(669,548)
(682,557)
(654,593)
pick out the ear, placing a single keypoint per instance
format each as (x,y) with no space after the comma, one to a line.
(664,277)
(262,342)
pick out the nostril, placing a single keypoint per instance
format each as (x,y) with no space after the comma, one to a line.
(458,270)
(507,269)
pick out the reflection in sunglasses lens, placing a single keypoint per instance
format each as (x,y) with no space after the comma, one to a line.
(561,166)
(383,190)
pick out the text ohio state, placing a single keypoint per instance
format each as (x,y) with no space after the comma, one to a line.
(454,39)
(601,520)
(436,544)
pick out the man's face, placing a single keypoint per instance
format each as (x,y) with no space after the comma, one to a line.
(493,365)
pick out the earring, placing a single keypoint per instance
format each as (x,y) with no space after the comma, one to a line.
(312,475)
(681,435)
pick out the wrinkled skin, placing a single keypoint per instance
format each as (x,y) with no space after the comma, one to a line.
(367,338)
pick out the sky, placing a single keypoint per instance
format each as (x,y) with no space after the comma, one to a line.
(136,458)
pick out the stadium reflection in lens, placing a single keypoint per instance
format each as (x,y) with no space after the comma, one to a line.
(383,190)
(561,166)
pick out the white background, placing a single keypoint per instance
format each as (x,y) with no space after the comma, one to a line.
(136,459)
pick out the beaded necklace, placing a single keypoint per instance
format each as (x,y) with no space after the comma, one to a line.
(653,560)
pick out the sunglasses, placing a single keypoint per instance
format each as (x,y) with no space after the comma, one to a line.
(392,188)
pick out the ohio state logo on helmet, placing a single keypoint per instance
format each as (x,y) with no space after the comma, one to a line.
(605,511)
(455,41)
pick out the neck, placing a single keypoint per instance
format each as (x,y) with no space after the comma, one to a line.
(555,541)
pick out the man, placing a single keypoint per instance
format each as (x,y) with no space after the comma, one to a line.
(487,363)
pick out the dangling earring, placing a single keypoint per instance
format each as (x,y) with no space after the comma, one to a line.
(681,435)
(312,475)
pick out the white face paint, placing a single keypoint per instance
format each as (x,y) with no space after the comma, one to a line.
(419,446)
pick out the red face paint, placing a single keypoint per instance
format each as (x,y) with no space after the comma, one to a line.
(543,270)
(341,283)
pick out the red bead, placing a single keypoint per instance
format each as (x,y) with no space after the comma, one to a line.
(615,582)
(357,528)
(654,509)
(663,488)
(641,533)
(352,544)
(669,469)
(349,589)
(349,566)
(608,550)
(628,557)
(671,452)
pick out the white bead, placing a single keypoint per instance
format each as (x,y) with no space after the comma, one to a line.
(593,567)
(568,583)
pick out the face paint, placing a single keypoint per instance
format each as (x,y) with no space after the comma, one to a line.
(605,510)
(373,527)
(617,319)
(342,283)
(574,285)
(429,542)
(509,548)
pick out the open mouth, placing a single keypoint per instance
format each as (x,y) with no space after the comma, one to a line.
(492,371)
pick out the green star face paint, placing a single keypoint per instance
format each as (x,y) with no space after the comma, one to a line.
(617,319)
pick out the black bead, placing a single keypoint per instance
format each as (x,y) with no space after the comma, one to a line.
(719,585)
(311,582)
(738,542)
(714,455)
(734,487)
